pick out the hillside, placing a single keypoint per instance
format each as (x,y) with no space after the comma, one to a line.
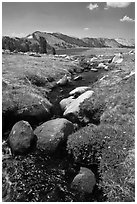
(33,44)
(101,42)
(36,41)
(124,42)
(71,40)
(54,41)
(59,40)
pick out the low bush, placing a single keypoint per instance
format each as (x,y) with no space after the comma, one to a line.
(36,80)
(85,145)
(115,170)
(106,146)
(92,109)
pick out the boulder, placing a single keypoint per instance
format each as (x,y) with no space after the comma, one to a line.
(64,80)
(53,133)
(93,59)
(23,104)
(132,52)
(118,58)
(84,181)
(21,137)
(101,65)
(66,102)
(72,112)
(79,90)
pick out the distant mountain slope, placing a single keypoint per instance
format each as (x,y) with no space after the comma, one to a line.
(101,42)
(47,42)
(71,40)
(31,44)
(124,42)
(52,40)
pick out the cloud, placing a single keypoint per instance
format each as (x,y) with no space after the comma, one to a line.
(117,4)
(13,34)
(86,28)
(92,6)
(126,18)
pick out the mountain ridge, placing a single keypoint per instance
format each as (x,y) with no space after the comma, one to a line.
(55,41)
(66,41)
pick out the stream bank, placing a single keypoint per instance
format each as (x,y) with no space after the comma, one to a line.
(38,177)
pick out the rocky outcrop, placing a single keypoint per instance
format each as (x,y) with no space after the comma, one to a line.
(23,104)
(53,133)
(21,137)
(118,58)
(84,181)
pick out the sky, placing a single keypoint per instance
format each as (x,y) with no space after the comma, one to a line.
(79,19)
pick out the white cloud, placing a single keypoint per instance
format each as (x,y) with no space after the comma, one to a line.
(117,4)
(86,28)
(126,18)
(17,34)
(92,6)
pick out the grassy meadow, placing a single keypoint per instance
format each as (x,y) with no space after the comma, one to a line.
(110,145)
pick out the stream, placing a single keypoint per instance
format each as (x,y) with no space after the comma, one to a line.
(41,178)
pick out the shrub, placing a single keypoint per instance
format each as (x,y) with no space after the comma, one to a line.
(106,146)
(92,109)
(85,145)
(36,79)
(114,171)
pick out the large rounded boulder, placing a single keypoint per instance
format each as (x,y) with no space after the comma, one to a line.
(79,90)
(84,181)
(21,138)
(64,103)
(23,103)
(53,133)
(72,112)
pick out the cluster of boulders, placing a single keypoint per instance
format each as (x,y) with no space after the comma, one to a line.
(93,64)
(51,136)
(51,133)
(71,106)
(48,137)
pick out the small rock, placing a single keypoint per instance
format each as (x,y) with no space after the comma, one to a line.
(78,78)
(93,59)
(63,81)
(84,181)
(21,137)
(106,67)
(132,52)
(63,55)
(101,65)
(52,133)
(37,55)
(103,77)
(127,76)
(94,70)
